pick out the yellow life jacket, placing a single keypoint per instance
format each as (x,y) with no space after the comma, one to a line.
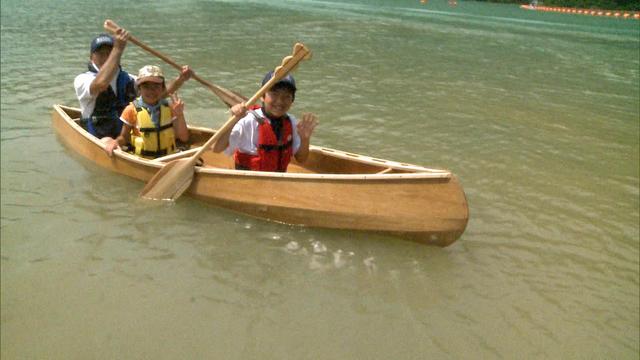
(151,140)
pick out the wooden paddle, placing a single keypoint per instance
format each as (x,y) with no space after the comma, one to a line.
(227,96)
(176,176)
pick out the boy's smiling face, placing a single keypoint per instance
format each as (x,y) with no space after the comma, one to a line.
(278,101)
(151,92)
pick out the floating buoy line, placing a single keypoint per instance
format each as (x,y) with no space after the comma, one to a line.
(609,13)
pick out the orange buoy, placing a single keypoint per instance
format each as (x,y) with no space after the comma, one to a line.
(611,13)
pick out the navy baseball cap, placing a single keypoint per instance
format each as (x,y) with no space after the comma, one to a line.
(101,40)
(287,80)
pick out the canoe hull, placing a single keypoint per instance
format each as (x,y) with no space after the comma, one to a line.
(390,206)
(419,207)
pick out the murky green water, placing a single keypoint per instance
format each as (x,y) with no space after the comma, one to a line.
(537,113)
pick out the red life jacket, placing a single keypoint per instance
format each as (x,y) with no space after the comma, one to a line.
(273,155)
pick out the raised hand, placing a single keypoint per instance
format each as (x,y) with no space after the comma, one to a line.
(177,105)
(186,73)
(174,85)
(239,110)
(120,39)
(307,125)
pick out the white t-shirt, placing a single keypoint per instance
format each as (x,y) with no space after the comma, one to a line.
(82,84)
(244,135)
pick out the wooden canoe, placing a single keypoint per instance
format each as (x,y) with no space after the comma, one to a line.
(333,189)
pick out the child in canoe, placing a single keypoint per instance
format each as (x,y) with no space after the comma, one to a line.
(266,138)
(150,123)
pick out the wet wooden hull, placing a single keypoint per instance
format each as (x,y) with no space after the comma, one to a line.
(333,189)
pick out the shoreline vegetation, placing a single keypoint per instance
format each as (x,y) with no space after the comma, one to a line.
(628,5)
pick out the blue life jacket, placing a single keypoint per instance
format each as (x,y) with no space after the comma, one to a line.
(105,119)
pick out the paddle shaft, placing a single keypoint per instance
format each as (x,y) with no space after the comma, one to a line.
(224,94)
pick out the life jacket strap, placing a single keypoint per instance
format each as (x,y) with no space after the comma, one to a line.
(276,147)
(158,153)
(161,152)
(161,128)
(242,167)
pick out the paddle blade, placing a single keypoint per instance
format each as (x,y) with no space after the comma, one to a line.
(170,182)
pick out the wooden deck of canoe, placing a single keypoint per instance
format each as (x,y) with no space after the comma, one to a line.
(333,189)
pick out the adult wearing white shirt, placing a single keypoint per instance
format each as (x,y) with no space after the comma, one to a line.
(105,89)
(266,138)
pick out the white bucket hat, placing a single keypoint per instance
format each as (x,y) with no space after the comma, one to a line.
(150,73)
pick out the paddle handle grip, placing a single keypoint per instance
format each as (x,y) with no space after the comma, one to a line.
(222,93)
(300,52)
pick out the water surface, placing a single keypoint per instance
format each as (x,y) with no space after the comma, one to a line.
(537,113)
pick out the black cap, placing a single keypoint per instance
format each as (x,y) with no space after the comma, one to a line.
(287,80)
(101,40)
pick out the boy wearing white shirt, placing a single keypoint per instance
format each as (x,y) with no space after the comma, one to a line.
(266,138)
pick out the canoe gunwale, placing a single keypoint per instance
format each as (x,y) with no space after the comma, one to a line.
(306,176)
(388,164)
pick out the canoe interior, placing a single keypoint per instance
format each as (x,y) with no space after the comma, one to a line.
(320,161)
